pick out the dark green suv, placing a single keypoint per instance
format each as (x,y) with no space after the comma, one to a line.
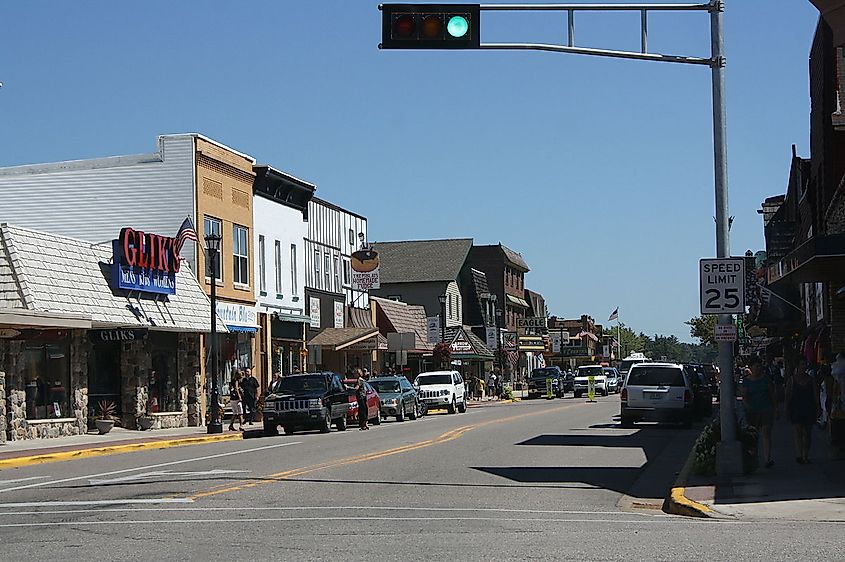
(307,401)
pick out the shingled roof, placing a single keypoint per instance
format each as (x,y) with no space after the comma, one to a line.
(405,317)
(47,273)
(416,261)
(514,257)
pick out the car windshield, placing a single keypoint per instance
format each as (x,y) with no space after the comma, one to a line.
(424,380)
(656,376)
(590,372)
(385,386)
(610,372)
(303,383)
(543,373)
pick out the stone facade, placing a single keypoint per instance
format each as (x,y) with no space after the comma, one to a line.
(2,407)
(190,378)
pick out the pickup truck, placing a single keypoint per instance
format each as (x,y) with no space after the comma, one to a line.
(306,401)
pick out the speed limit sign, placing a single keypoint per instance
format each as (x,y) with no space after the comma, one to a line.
(722,286)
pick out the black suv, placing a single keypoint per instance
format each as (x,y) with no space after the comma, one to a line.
(537,382)
(307,401)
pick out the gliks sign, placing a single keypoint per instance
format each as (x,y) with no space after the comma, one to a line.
(145,262)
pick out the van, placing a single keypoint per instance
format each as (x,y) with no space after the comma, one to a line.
(660,392)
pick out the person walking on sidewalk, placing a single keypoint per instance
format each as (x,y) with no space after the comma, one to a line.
(236,401)
(802,403)
(249,389)
(361,396)
(758,399)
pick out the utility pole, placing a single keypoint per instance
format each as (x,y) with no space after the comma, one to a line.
(400,31)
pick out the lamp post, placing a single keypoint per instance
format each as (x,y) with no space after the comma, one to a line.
(215,423)
(442,299)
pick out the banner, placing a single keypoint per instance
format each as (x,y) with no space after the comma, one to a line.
(432,328)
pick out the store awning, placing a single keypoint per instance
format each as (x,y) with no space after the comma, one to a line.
(400,317)
(291,317)
(517,301)
(360,318)
(44,319)
(819,259)
(338,339)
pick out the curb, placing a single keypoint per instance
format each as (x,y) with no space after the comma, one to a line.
(18,462)
(676,503)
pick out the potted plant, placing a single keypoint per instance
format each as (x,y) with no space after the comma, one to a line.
(105,420)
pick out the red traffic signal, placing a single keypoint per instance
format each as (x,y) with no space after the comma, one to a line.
(430,26)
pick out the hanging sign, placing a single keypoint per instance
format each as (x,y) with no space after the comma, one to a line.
(461,344)
(432,328)
(365,270)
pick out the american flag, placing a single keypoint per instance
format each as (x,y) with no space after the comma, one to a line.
(186,232)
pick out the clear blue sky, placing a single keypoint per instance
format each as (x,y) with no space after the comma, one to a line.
(599,171)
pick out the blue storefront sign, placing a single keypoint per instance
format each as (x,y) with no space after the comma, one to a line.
(145,262)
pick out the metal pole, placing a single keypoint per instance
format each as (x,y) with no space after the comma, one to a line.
(215,424)
(728,455)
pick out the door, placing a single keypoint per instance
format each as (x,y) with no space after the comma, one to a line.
(104,377)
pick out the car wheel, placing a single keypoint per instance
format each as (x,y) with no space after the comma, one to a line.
(423,408)
(289,430)
(577,394)
(627,423)
(340,424)
(413,414)
(376,420)
(451,407)
(400,414)
(325,423)
(462,407)
(604,392)
(271,430)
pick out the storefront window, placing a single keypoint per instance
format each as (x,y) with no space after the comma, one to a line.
(163,384)
(47,375)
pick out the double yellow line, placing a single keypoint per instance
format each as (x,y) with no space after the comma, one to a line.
(295,472)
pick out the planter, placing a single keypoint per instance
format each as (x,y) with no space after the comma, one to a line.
(145,423)
(104,426)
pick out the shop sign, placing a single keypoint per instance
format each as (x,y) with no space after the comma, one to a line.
(725,332)
(338,314)
(510,341)
(145,262)
(492,337)
(314,312)
(237,314)
(531,343)
(118,335)
(432,328)
(365,270)
(577,351)
(461,344)
(533,322)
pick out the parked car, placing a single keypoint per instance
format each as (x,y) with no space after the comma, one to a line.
(442,389)
(702,394)
(373,402)
(659,392)
(582,380)
(398,397)
(307,401)
(614,380)
(633,359)
(537,382)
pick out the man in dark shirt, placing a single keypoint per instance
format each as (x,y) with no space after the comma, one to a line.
(249,387)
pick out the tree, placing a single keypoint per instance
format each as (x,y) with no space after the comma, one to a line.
(630,340)
(702,328)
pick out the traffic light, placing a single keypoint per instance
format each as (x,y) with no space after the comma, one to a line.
(430,26)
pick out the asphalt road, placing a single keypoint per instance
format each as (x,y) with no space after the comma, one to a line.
(546,480)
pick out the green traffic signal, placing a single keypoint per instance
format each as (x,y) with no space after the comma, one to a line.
(457,26)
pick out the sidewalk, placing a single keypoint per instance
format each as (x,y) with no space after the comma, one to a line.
(118,440)
(788,490)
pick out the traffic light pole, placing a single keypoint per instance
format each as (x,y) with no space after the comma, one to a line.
(729,451)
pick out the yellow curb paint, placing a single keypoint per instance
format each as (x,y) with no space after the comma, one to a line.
(450,435)
(677,496)
(114,450)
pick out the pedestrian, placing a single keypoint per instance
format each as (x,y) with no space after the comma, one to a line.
(491,385)
(758,399)
(802,403)
(236,401)
(249,390)
(481,389)
(361,396)
(274,384)
(774,374)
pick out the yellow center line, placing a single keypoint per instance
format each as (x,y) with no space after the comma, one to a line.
(450,435)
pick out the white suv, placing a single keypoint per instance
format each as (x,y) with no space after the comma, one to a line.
(582,380)
(442,389)
(657,392)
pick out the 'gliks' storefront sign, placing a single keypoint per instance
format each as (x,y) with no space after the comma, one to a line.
(145,262)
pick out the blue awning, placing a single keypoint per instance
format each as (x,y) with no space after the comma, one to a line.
(241,328)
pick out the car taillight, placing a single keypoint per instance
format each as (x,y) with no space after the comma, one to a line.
(624,395)
(687,397)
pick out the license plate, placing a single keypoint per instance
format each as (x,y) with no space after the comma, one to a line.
(654,395)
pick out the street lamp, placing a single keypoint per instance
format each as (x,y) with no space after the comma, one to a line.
(212,244)
(442,299)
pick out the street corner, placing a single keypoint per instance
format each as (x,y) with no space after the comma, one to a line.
(677,503)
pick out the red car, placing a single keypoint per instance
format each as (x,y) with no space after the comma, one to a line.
(373,402)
